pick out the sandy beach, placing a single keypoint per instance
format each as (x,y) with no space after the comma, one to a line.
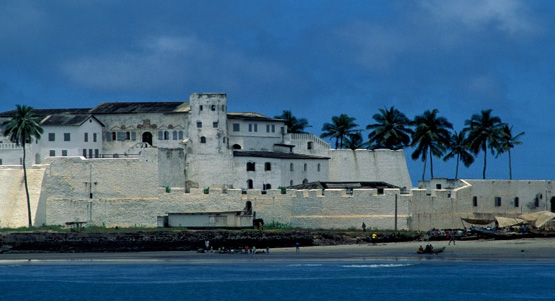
(528,249)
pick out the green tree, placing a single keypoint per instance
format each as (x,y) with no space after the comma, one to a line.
(458,147)
(340,127)
(354,141)
(391,129)
(431,138)
(484,132)
(24,126)
(509,141)
(293,124)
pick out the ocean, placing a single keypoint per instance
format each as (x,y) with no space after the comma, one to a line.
(277,280)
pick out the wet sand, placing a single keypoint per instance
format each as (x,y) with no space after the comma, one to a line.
(528,249)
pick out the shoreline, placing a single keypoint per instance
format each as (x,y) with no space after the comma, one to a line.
(525,249)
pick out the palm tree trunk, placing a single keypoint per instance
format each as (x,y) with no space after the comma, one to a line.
(485,160)
(510,168)
(457,168)
(424,169)
(431,165)
(26,185)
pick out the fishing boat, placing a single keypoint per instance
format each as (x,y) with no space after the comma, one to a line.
(431,251)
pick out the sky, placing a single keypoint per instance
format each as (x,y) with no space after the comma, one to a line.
(318,59)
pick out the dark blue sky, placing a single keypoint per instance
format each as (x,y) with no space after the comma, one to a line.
(316,58)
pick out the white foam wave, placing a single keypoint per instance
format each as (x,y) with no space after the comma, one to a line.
(390,265)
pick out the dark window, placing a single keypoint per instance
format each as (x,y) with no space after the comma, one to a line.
(133,136)
(64,152)
(282,130)
(160,135)
(309,145)
(213,108)
(250,127)
(256,127)
(250,166)
(215,124)
(318,167)
(267,128)
(267,166)
(537,201)
(202,139)
(166,135)
(380,190)
(200,108)
(94,137)
(67,137)
(174,135)
(96,153)
(305,167)
(236,146)
(475,201)
(291,167)
(438,186)
(181,135)
(52,153)
(199,124)
(249,184)
(291,183)
(305,181)
(86,137)
(236,127)
(127,136)
(84,153)
(114,136)
(517,201)
(273,128)
(268,186)
(51,136)
(90,153)
(0,161)
(121,136)
(497,201)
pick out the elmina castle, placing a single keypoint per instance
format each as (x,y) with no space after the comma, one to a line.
(128,164)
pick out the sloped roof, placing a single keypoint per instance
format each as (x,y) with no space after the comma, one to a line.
(46,112)
(275,155)
(252,116)
(67,120)
(344,185)
(141,107)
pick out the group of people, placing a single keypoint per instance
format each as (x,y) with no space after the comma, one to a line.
(429,249)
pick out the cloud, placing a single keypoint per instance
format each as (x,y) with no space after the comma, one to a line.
(169,62)
(508,16)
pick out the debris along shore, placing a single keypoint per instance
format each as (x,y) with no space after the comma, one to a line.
(136,241)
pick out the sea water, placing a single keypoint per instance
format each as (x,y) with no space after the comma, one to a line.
(278,280)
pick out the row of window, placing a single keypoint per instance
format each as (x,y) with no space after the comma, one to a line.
(251,166)
(498,202)
(91,153)
(126,136)
(250,184)
(214,124)
(253,127)
(212,108)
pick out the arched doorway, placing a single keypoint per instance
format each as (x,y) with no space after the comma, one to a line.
(248,208)
(236,146)
(147,137)
(552,204)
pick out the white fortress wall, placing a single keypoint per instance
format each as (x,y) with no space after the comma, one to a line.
(338,209)
(370,165)
(13,200)
(309,144)
(443,208)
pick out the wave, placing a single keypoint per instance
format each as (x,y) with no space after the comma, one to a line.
(389,265)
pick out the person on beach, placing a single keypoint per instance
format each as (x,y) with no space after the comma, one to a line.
(363,227)
(267,250)
(207,245)
(298,249)
(374,236)
(451,239)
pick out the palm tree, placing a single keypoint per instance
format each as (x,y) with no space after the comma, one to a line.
(23,126)
(340,128)
(458,148)
(391,129)
(354,141)
(484,131)
(293,124)
(509,141)
(431,136)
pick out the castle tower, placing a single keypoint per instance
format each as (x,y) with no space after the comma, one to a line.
(209,160)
